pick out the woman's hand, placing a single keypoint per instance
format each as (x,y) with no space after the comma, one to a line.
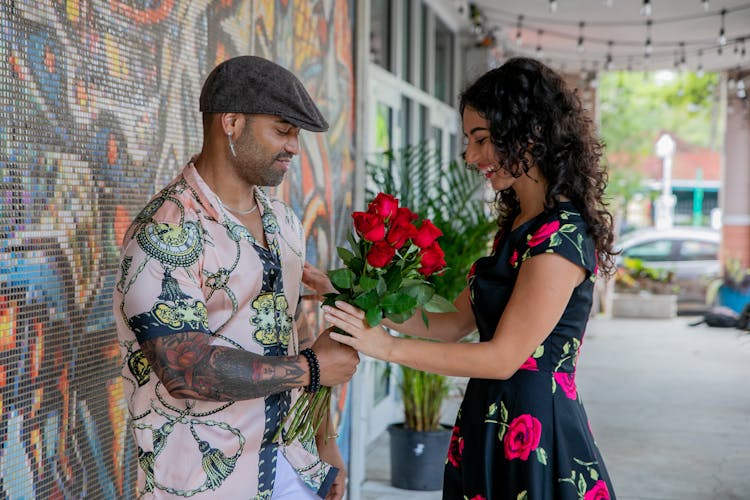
(375,342)
(317,280)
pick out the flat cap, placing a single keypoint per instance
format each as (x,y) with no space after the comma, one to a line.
(254,85)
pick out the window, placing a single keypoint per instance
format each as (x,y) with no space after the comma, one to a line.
(380,33)
(443,62)
(651,251)
(698,250)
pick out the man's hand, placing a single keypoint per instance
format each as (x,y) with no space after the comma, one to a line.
(337,361)
(328,450)
(316,280)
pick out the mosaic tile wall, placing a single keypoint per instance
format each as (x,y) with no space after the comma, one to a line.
(98,108)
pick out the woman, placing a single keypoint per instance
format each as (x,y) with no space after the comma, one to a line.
(521,431)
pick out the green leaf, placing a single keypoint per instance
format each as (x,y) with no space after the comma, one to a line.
(398,318)
(381,286)
(541,456)
(567,228)
(581,484)
(594,474)
(367,283)
(367,301)
(398,303)
(374,316)
(393,279)
(331,298)
(555,239)
(439,304)
(354,245)
(346,255)
(342,279)
(422,292)
(357,266)
(503,412)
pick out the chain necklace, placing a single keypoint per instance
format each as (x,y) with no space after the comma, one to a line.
(237,210)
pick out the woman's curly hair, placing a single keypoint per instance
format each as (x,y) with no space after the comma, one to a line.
(534,119)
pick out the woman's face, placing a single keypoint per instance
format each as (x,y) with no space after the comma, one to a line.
(480,151)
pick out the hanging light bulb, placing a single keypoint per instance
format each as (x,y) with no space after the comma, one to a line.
(741,90)
(700,71)
(743,52)
(553,5)
(519,24)
(706,7)
(579,46)
(648,48)
(722,34)
(646,8)
(539,51)
(608,64)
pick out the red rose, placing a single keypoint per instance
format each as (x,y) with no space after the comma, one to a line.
(432,260)
(384,205)
(598,492)
(523,436)
(543,233)
(381,254)
(404,215)
(400,233)
(530,364)
(370,226)
(426,234)
(455,448)
(567,382)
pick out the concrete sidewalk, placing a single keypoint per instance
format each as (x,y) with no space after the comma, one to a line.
(669,405)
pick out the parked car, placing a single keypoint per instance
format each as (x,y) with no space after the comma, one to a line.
(692,254)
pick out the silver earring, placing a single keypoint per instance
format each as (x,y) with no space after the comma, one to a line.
(231,144)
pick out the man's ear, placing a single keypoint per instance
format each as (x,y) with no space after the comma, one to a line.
(232,123)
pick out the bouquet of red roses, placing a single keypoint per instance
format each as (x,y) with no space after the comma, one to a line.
(385,274)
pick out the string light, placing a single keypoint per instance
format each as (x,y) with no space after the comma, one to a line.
(649,48)
(608,64)
(683,57)
(539,51)
(722,34)
(705,5)
(700,71)
(519,24)
(646,8)
(579,47)
(553,5)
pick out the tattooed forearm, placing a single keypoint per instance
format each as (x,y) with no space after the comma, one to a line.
(189,367)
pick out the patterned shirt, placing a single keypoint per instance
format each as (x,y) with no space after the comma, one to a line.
(189,266)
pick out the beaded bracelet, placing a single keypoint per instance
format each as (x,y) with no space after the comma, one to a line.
(312,360)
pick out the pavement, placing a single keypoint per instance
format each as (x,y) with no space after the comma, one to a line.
(669,405)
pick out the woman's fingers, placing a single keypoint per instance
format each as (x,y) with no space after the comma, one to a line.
(358,313)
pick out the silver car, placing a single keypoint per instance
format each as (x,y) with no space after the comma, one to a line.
(692,254)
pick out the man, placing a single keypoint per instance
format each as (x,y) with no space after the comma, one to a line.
(208,284)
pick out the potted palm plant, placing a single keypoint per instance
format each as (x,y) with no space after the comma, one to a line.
(451,197)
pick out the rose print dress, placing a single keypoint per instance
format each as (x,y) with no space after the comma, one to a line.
(528,437)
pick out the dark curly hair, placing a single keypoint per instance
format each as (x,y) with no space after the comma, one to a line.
(535,119)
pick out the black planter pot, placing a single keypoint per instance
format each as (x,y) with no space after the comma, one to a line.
(418,458)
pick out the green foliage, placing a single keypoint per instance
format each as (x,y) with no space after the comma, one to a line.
(451,196)
(634,107)
(633,276)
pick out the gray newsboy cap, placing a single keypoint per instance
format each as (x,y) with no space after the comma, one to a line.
(253,85)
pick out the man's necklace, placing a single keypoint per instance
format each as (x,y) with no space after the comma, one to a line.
(237,210)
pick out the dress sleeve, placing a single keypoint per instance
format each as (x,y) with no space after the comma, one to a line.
(564,235)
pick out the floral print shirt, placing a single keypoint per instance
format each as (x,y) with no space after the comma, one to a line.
(188,265)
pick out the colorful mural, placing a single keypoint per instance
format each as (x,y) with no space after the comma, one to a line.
(98,108)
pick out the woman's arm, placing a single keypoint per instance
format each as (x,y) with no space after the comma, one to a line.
(542,291)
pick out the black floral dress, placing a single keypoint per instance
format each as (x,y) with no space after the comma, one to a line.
(528,437)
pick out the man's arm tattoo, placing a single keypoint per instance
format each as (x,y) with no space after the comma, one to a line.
(189,367)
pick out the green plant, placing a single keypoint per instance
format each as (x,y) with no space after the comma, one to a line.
(633,276)
(450,196)
(734,275)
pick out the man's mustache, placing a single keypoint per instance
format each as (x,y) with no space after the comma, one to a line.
(283,156)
